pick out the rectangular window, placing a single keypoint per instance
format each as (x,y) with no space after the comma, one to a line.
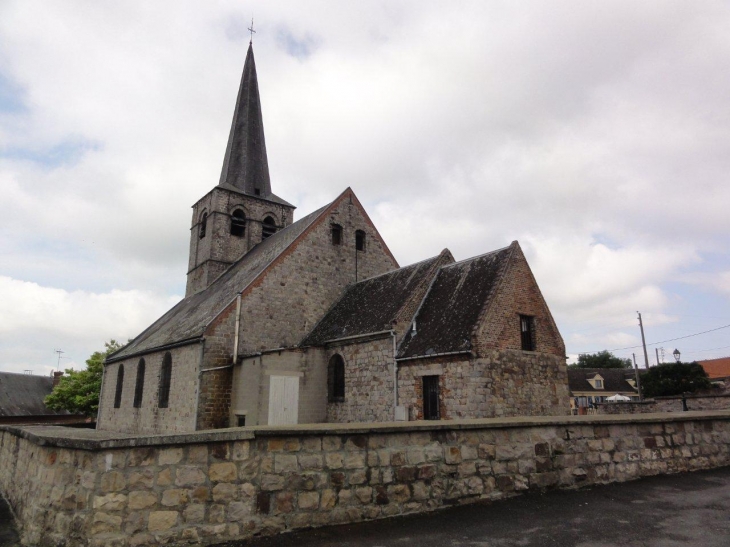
(336,234)
(527,332)
(599,384)
(360,240)
(431,398)
(241,421)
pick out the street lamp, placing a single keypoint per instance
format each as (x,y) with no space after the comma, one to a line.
(676,354)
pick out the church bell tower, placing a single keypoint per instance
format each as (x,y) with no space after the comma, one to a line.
(241,211)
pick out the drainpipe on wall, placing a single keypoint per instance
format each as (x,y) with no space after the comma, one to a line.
(399,412)
(238,323)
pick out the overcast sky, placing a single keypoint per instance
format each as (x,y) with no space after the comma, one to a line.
(595,133)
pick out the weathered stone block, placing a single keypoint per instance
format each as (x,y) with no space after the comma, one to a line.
(308,501)
(174,497)
(222,472)
(141,499)
(160,521)
(189,475)
(110,502)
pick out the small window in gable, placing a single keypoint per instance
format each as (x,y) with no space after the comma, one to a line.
(336,379)
(238,223)
(163,395)
(268,228)
(120,385)
(360,240)
(203,225)
(598,383)
(139,385)
(527,334)
(336,234)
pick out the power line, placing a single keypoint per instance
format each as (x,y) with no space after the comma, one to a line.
(671,339)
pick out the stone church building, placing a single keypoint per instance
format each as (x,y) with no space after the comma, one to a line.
(312,321)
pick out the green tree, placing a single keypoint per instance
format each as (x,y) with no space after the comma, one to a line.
(674,379)
(78,390)
(602,359)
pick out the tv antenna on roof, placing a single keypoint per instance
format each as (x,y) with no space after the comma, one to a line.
(59,351)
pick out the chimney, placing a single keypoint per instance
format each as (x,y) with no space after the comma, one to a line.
(57,377)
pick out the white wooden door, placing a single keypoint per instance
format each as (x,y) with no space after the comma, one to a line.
(283,400)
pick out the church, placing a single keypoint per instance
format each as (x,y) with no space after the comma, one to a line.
(314,321)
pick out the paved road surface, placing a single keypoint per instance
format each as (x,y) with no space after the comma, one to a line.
(691,510)
(674,511)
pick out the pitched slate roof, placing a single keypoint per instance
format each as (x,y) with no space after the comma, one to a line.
(614,379)
(245,164)
(717,368)
(23,394)
(188,319)
(451,307)
(372,304)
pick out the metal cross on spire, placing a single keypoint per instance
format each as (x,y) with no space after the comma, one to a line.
(252,31)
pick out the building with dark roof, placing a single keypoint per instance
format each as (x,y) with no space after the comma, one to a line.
(310,321)
(589,386)
(22,400)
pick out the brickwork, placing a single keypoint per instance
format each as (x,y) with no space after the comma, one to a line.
(212,254)
(501,383)
(179,416)
(517,294)
(368,382)
(218,487)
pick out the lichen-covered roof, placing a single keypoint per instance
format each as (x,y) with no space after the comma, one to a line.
(370,305)
(189,317)
(451,307)
(614,379)
(23,394)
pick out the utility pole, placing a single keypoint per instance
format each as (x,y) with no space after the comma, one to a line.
(638,380)
(643,342)
(658,362)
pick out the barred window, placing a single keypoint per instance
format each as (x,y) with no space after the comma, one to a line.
(527,328)
(360,240)
(165,378)
(139,384)
(268,228)
(120,385)
(336,378)
(336,234)
(238,223)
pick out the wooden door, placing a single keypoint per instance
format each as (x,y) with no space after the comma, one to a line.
(283,400)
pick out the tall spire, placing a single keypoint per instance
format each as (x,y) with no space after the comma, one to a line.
(245,165)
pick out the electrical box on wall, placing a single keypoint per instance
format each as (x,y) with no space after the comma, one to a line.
(400,414)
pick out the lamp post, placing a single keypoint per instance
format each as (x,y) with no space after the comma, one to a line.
(676,354)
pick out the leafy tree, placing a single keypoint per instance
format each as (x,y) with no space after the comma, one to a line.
(674,379)
(78,390)
(602,359)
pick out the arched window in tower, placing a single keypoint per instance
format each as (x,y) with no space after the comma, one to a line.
(336,234)
(238,223)
(360,240)
(120,385)
(268,227)
(163,398)
(203,225)
(139,384)
(336,378)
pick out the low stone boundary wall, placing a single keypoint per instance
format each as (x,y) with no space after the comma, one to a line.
(84,487)
(667,404)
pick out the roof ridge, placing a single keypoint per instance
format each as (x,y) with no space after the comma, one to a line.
(396,269)
(477,256)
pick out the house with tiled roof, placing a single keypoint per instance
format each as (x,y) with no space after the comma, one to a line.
(717,369)
(589,386)
(312,321)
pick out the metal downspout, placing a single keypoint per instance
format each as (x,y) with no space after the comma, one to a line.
(395,377)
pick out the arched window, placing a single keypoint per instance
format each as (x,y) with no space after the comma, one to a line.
(336,234)
(139,384)
(163,397)
(203,225)
(268,227)
(360,240)
(336,378)
(238,223)
(120,385)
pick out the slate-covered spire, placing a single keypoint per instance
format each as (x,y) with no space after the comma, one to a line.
(245,165)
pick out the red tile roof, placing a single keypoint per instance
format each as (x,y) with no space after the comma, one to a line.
(717,368)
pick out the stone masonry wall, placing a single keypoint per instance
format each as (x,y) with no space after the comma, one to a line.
(179,416)
(668,404)
(368,382)
(302,285)
(501,383)
(221,486)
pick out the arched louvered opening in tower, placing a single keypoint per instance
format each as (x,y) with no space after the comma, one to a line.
(203,225)
(238,223)
(268,227)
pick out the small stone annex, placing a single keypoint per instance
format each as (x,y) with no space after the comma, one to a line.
(314,321)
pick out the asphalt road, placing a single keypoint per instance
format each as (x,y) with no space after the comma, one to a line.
(671,511)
